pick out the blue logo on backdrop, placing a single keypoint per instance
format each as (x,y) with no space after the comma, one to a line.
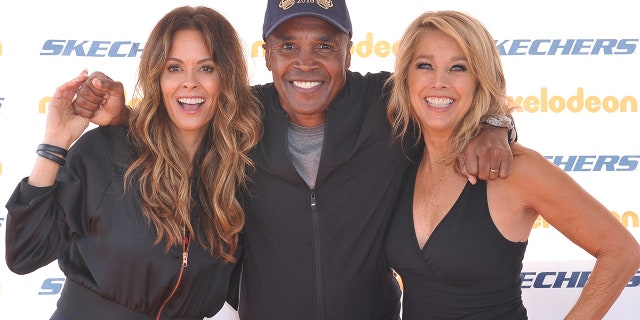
(563,279)
(553,47)
(596,163)
(51,286)
(88,48)
(514,47)
(530,280)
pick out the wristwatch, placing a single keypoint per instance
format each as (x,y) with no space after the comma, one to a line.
(498,121)
(502,121)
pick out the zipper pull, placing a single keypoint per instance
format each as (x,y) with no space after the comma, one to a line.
(185,250)
(313,199)
(185,255)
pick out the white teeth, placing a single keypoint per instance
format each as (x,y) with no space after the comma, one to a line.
(439,102)
(191,100)
(306,84)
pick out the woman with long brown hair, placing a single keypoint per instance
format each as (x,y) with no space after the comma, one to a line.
(144,218)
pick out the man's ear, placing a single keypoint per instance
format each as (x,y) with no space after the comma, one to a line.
(347,60)
(266,56)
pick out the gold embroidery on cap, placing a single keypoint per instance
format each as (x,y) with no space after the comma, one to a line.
(325,4)
(286,4)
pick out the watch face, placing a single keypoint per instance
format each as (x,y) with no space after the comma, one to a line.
(499,121)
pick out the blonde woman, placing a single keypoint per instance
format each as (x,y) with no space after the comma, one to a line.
(458,247)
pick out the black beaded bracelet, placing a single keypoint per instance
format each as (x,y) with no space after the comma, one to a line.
(48,155)
(51,148)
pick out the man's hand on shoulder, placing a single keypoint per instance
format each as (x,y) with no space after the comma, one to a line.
(488,156)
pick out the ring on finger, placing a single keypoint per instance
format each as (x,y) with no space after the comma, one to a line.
(494,170)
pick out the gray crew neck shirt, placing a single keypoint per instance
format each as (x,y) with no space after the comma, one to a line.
(305,147)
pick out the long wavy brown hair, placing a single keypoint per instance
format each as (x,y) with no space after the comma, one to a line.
(172,185)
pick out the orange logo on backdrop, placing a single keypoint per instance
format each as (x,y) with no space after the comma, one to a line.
(580,102)
(44,103)
(629,219)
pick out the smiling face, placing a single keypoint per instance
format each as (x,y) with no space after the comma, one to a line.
(190,84)
(308,59)
(441,84)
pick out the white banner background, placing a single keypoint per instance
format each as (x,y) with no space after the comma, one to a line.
(557,91)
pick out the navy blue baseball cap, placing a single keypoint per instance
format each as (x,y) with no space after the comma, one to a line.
(333,11)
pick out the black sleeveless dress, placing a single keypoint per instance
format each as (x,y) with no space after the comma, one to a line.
(466,270)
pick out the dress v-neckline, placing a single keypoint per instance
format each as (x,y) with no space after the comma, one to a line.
(439,224)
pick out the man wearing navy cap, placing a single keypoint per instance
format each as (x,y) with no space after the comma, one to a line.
(326,175)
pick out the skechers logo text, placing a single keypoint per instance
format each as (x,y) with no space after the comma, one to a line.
(596,163)
(551,47)
(562,279)
(79,48)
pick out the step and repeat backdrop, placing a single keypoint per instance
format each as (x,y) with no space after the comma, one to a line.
(572,67)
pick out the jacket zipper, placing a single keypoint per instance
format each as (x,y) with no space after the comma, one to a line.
(318,257)
(316,236)
(185,256)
